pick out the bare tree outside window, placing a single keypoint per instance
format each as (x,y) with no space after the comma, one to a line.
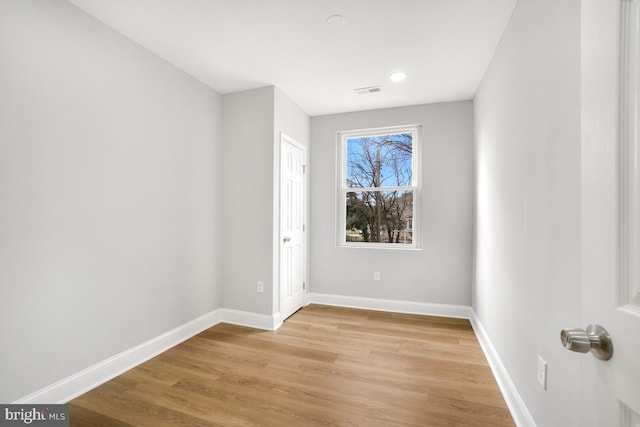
(379,193)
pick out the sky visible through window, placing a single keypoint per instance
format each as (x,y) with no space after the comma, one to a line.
(379,161)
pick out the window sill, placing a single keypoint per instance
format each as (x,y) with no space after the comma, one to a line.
(378,246)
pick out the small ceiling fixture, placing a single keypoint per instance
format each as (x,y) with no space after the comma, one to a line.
(336,21)
(398,77)
(366,90)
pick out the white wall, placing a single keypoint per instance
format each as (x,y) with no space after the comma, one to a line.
(527,133)
(253,121)
(247,238)
(439,273)
(248,200)
(110,188)
(289,118)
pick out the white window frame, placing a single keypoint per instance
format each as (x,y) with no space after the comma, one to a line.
(342,189)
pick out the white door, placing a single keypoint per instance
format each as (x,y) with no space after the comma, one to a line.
(292,226)
(610,390)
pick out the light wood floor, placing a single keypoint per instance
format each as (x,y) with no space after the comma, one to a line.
(325,366)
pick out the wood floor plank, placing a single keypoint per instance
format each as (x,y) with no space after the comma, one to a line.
(86,417)
(326,366)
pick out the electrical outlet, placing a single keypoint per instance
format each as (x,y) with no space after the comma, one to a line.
(376,275)
(542,372)
(260,287)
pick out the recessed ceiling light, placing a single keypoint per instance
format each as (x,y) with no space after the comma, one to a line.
(398,77)
(336,21)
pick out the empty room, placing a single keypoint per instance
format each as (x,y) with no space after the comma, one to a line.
(303,212)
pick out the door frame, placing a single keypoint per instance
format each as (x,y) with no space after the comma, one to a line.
(278,299)
(628,153)
(629,182)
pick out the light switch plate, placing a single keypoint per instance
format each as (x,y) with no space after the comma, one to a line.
(542,372)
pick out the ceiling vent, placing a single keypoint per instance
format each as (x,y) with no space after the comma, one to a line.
(367,90)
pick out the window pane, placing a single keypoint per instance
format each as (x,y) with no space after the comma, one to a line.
(379,161)
(379,216)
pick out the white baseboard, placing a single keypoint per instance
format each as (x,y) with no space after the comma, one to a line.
(409,307)
(267,322)
(79,383)
(516,405)
(91,377)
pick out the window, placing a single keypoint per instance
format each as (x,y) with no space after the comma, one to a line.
(378,188)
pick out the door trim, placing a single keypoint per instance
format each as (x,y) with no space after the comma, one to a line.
(629,174)
(628,156)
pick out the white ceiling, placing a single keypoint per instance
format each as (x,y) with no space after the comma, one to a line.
(444,46)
